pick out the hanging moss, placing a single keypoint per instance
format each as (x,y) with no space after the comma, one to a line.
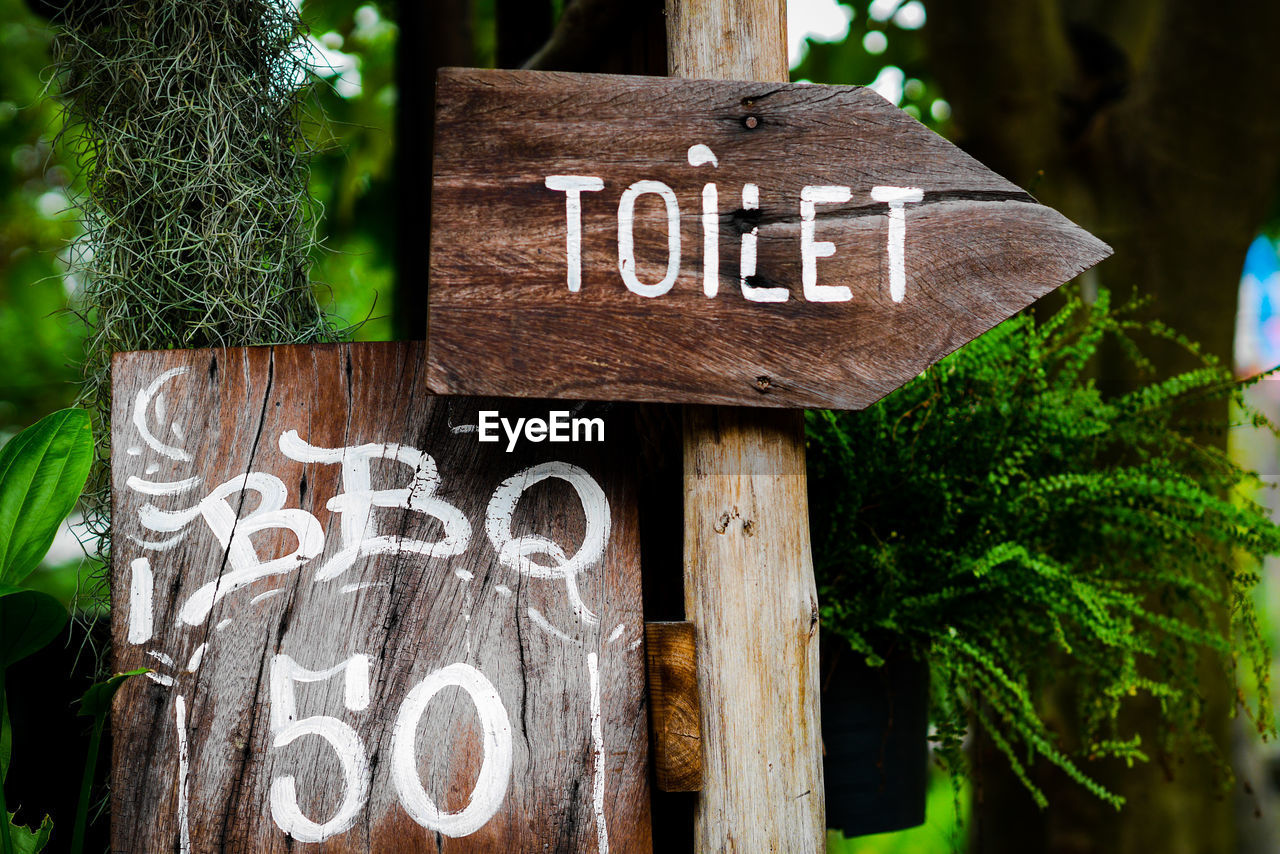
(198,228)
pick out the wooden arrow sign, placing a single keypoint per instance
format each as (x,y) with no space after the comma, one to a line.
(606,237)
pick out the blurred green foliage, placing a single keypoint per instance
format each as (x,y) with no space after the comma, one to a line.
(351,121)
(884,44)
(38,344)
(42,471)
(944,828)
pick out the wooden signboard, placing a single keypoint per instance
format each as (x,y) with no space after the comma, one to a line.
(368,630)
(635,238)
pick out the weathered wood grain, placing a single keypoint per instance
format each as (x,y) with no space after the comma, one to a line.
(749,585)
(570,690)
(750,593)
(671,653)
(735,40)
(503,320)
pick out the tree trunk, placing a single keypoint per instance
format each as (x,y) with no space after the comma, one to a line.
(523,26)
(1149,123)
(433,35)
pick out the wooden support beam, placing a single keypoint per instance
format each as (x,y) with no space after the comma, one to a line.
(728,40)
(750,593)
(673,706)
(749,587)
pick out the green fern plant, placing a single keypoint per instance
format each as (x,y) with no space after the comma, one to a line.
(1005,520)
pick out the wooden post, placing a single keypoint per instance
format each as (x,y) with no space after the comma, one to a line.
(749,591)
(537,290)
(749,587)
(728,40)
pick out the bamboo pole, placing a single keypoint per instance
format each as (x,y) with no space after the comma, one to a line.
(749,587)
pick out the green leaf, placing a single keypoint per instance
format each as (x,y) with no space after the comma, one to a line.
(29,619)
(42,471)
(96,702)
(28,841)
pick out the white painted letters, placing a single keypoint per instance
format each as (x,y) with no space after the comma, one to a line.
(810,247)
(811,250)
(495,769)
(140,600)
(358,499)
(698,155)
(234,535)
(140,406)
(897,197)
(573,186)
(515,552)
(747,265)
(286,728)
(235,517)
(626,237)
